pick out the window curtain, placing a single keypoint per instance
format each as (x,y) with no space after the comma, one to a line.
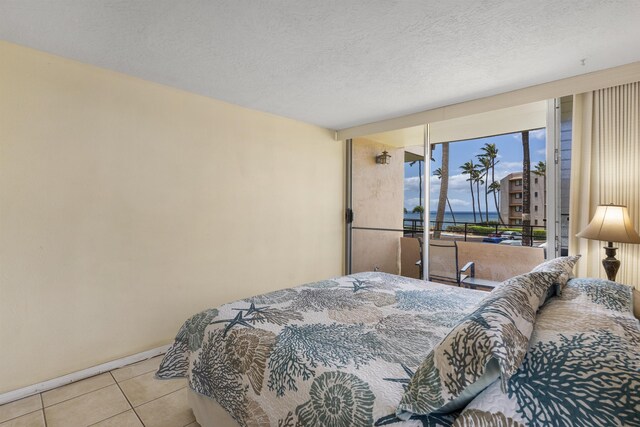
(605,168)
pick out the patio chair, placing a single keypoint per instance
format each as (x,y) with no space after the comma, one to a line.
(444,266)
(443,263)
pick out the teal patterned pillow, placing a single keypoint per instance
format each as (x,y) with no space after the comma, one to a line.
(563,264)
(582,367)
(490,342)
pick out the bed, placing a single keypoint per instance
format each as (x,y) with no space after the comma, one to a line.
(342,352)
(266,360)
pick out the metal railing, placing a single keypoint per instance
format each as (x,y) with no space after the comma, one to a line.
(413,227)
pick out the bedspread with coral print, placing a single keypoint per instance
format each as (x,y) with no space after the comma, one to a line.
(332,353)
(582,367)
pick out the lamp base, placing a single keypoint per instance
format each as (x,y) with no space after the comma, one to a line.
(610,263)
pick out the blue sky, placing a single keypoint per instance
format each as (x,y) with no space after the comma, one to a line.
(509,157)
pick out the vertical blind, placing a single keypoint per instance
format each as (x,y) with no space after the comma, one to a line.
(606,169)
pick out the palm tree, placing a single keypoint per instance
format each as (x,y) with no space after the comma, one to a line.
(491,152)
(438,173)
(485,162)
(495,189)
(541,170)
(526,190)
(444,189)
(419,184)
(469,168)
(479,181)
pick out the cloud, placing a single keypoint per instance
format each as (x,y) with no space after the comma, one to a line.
(411,203)
(456,182)
(542,151)
(509,165)
(505,168)
(540,134)
(459,203)
(456,204)
(412,183)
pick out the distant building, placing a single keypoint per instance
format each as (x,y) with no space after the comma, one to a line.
(511,199)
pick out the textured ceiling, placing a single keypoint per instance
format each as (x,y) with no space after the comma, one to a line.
(334,63)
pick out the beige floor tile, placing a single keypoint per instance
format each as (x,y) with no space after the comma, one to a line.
(76,389)
(20,407)
(149,365)
(126,419)
(171,410)
(87,409)
(144,388)
(34,419)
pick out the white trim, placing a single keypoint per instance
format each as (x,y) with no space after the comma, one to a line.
(79,375)
(609,77)
(552,178)
(426,208)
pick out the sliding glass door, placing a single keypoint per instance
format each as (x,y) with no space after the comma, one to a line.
(383,167)
(490,187)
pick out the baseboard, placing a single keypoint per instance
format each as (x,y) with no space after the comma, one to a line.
(20,393)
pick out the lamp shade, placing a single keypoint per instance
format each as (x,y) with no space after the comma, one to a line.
(611,223)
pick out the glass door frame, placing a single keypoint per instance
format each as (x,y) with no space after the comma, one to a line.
(552,188)
(349,214)
(553,178)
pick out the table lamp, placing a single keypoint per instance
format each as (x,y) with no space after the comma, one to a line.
(611,223)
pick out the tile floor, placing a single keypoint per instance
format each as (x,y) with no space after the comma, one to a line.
(125,397)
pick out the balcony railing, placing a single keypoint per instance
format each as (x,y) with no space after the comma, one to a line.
(475,231)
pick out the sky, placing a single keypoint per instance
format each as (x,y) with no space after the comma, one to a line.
(509,160)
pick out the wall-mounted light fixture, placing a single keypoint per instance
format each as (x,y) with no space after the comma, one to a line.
(383,159)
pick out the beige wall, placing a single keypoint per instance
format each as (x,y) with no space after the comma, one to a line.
(126,206)
(378,195)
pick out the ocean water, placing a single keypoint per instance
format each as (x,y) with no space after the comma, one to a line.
(460,217)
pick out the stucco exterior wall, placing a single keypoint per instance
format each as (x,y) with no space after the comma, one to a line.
(378,196)
(509,199)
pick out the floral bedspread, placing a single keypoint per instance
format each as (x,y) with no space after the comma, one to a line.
(582,367)
(332,353)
